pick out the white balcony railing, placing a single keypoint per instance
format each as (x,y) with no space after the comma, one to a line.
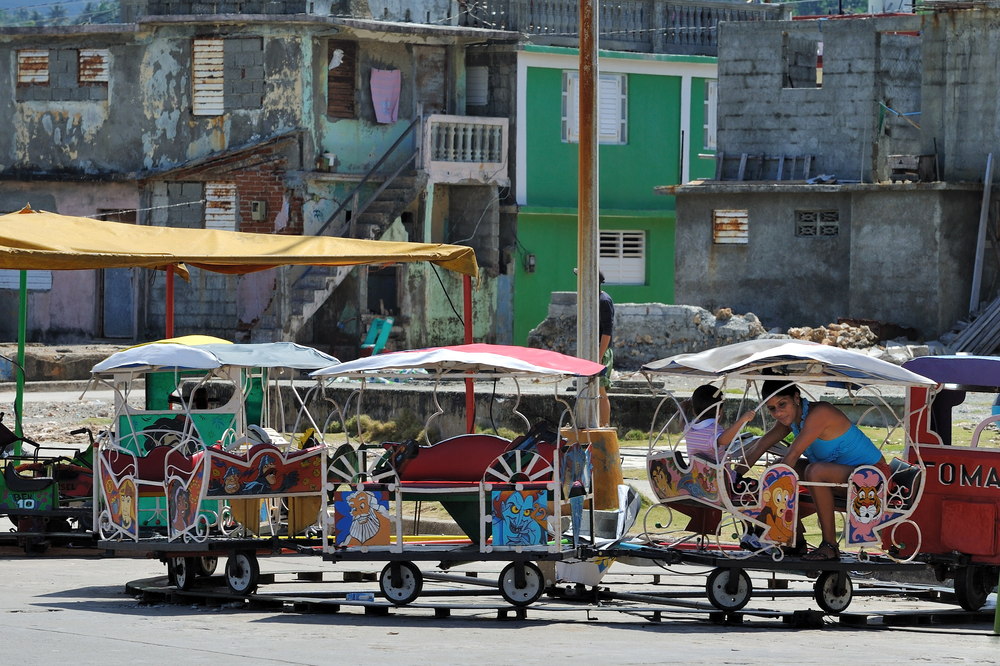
(657,26)
(466,148)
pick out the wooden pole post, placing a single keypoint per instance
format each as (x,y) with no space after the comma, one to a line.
(587,281)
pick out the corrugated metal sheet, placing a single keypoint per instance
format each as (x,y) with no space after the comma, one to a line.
(207,80)
(730,227)
(94,66)
(32,66)
(220,206)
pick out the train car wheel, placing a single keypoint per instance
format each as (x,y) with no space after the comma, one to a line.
(834,591)
(405,586)
(206,565)
(181,571)
(532,588)
(725,592)
(242,573)
(972,586)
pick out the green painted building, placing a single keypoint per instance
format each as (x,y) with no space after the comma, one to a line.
(657,127)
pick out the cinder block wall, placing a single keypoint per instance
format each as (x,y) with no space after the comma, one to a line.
(769,102)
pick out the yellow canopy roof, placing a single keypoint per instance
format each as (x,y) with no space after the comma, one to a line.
(38,240)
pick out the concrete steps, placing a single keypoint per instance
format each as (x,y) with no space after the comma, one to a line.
(313,289)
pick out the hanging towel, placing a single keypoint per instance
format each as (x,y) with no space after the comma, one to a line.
(385,94)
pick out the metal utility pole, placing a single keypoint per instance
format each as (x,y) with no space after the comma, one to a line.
(587,281)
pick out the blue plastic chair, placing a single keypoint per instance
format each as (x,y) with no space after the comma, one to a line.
(378,335)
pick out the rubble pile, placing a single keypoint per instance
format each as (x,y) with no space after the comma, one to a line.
(844,336)
(646,332)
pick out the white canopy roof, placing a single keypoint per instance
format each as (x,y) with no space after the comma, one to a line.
(806,362)
(173,356)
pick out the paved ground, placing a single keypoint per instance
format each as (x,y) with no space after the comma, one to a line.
(76,611)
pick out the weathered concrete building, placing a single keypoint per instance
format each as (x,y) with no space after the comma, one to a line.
(893,119)
(278,117)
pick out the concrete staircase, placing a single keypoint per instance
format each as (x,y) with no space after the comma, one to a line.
(313,285)
(391,202)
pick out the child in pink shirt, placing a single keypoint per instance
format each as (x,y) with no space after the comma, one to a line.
(704,436)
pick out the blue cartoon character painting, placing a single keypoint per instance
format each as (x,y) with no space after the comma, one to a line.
(519,517)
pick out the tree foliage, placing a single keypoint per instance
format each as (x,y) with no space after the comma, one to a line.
(829,7)
(101,11)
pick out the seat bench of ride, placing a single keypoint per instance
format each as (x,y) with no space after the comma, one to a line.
(149,471)
(450,471)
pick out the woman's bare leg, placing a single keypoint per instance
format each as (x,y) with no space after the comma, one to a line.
(822,472)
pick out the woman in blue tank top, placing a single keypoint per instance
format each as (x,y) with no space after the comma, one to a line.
(831,444)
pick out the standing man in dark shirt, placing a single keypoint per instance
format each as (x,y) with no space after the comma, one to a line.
(606,326)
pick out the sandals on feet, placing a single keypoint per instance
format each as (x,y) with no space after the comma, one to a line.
(825,552)
(798,550)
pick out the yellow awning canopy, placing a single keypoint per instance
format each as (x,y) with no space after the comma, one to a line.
(38,240)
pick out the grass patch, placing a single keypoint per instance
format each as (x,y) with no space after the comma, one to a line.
(506,433)
(404,426)
(891,445)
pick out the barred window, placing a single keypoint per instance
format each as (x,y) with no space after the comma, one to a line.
(93,66)
(220,206)
(612,108)
(341,74)
(32,67)
(730,227)
(817,223)
(623,257)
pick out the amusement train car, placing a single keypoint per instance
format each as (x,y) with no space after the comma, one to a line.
(733,518)
(520,501)
(959,513)
(186,478)
(45,491)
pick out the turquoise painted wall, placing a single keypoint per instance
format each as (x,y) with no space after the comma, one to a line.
(550,234)
(628,172)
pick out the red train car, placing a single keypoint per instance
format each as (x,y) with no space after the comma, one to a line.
(959,513)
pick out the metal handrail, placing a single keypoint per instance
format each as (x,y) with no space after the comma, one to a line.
(359,210)
(353,196)
(298,273)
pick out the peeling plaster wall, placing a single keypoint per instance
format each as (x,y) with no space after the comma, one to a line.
(147,127)
(427,306)
(474,219)
(69,310)
(61,135)
(173,136)
(358,143)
